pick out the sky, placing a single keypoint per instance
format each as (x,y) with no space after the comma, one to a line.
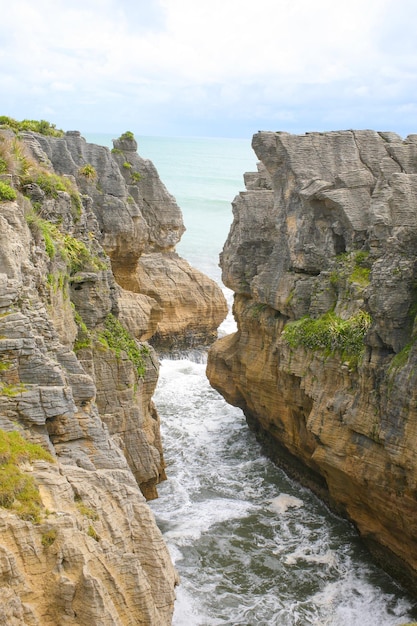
(222,68)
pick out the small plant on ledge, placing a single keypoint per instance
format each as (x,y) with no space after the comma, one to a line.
(118,339)
(330,334)
(7,193)
(88,171)
(18,490)
(127,135)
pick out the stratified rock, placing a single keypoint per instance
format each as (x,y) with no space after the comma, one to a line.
(88,272)
(96,556)
(327,231)
(191,302)
(139,224)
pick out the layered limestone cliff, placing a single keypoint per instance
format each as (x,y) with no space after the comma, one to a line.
(78,225)
(321,256)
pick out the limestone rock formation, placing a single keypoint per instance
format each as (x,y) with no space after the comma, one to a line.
(81,231)
(140,224)
(96,555)
(321,256)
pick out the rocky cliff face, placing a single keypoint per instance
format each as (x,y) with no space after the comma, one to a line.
(78,224)
(322,259)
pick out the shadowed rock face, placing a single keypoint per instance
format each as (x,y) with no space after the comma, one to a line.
(327,231)
(77,268)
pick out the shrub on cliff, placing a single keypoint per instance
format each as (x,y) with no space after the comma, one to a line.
(43,127)
(51,184)
(6,192)
(88,171)
(118,339)
(18,490)
(330,334)
(73,251)
(127,135)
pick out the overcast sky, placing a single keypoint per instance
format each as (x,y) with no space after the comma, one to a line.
(210,67)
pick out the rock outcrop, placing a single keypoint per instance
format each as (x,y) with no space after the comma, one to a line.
(321,256)
(78,225)
(140,224)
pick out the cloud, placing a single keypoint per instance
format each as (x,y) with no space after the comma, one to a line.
(160,66)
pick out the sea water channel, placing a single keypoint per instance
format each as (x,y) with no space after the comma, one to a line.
(252,547)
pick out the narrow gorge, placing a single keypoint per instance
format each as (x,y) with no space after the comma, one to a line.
(93,297)
(90,287)
(321,257)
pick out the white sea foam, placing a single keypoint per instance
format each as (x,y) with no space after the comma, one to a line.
(352,601)
(283,502)
(246,557)
(203,515)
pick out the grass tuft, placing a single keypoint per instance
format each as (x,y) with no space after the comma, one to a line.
(18,490)
(330,334)
(118,339)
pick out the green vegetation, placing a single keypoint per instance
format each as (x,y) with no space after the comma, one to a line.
(118,339)
(91,532)
(87,511)
(18,491)
(51,184)
(6,192)
(49,232)
(57,281)
(73,251)
(84,336)
(256,309)
(15,159)
(49,537)
(401,358)
(360,275)
(11,390)
(116,151)
(353,267)
(43,127)
(127,165)
(136,176)
(330,334)
(127,135)
(88,171)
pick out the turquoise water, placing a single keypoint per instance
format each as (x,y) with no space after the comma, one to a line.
(252,547)
(203,175)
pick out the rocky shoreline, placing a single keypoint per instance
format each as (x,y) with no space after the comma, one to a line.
(321,257)
(89,279)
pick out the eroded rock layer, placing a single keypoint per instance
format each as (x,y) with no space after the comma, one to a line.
(321,256)
(78,225)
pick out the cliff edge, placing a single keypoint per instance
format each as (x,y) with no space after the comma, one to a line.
(321,256)
(80,447)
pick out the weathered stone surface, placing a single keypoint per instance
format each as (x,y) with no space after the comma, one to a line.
(106,562)
(331,228)
(138,223)
(87,562)
(139,313)
(65,270)
(191,302)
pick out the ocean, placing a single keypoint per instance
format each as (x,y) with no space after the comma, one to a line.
(252,547)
